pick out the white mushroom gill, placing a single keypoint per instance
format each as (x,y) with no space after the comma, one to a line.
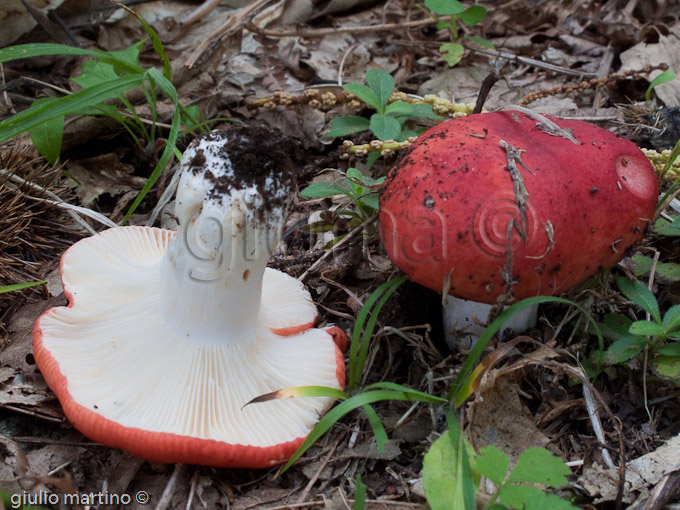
(173,333)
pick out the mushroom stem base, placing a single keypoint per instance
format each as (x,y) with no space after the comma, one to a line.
(464,321)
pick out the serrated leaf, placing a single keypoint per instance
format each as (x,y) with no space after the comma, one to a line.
(671,319)
(452,53)
(473,15)
(640,295)
(538,465)
(481,41)
(47,137)
(322,190)
(382,83)
(445,7)
(492,463)
(366,94)
(646,328)
(385,127)
(343,126)
(355,174)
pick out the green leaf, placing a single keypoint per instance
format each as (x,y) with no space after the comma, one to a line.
(382,84)
(359,494)
(384,127)
(667,228)
(95,72)
(445,7)
(323,189)
(366,94)
(418,110)
(473,15)
(85,98)
(545,500)
(640,295)
(625,348)
(668,366)
(492,463)
(515,495)
(646,328)
(19,286)
(538,465)
(129,55)
(452,52)
(672,349)
(664,77)
(671,319)
(481,41)
(47,137)
(371,159)
(445,486)
(343,126)
(666,270)
(371,200)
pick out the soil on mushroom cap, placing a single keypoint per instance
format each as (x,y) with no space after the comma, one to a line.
(260,158)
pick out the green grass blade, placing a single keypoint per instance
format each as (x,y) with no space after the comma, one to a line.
(168,151)
(355,364)
(155,40)
(359,494)
(19,286)
(412,394)
(458,393)
(42,50)
(377,426)
(338,412)
(85,98)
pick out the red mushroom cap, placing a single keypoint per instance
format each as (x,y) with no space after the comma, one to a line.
(489,200)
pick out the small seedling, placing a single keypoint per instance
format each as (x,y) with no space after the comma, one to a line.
(361,190)
(470,16)
(659,335)
(452,472)
(390,120)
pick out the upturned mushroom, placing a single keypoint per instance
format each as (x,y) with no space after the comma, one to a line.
(497,207)
(167,336)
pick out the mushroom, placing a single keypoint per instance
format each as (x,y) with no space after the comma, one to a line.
(497,207)
(168,336)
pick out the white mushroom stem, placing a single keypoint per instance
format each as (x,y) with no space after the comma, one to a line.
(211,274)
(465,321)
